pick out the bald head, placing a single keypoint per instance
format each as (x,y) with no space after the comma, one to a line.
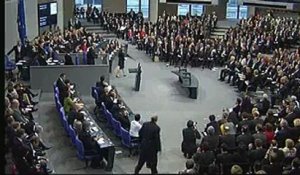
(15,104)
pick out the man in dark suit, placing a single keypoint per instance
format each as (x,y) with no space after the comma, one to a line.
(62,86)
(150,145)
(77,24)
(211,138)
(257,154)
(91,55)
(190,134)
(203,158)
(213,123)
(20,151)
(19,52)
(245,138)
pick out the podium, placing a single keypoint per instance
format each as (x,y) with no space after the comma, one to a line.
(138,72)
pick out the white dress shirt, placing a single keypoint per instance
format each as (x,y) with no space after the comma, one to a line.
(135,127)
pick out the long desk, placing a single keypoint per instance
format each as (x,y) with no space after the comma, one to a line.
(103,141)
(106,145)
(190,82)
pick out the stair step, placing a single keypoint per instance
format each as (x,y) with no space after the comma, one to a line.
(216,37)
(94,27)
(223,27)
(218,33)
(220,30)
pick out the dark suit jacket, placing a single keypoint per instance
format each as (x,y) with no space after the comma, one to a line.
(282,135)
(62,87)
(203,160)
(227,160)
(77,24)
(89,144)
(229,140)
(189,140)
(244,138)
(91,56)
(21,153)
(214,124)
(18,116)
(256,155)
(150,139)
(10,132)
(60,84)
(18,54)
(213,142)
(125,123)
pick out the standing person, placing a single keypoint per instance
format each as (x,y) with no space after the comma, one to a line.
(18,50)
(190,134)
(121,63)
(91,55)
(150,145)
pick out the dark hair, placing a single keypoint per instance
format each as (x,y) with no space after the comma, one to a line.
(67,81)
(205,146)
(137,117)
(20,132)
(259,127)
(296,162)
(245,128)
(154,118)
(189,163)
(269,127)
(224,146)
(258,143)
(9,120)
(80,116)
(212,118)
(102,78)
(238,100)
(62,74)
(190,123)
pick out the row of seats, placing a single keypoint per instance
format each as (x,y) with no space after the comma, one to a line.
(81,154)
(112,123)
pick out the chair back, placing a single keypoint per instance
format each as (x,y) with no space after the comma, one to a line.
(95,94)
(109,118)
(126,139)
(62,112)
(80,148)
(117,127)
(65,124)
(104,108)
(72,134)
(9,65)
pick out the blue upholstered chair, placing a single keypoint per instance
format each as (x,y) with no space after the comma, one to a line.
(82,154)
(72,134)
(109,118)
(126,140)
(117,127)
(9,66)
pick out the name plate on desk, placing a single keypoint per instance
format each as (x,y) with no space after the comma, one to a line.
(186,81)
(133,70)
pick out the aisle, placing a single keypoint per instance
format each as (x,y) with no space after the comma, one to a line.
(161,95)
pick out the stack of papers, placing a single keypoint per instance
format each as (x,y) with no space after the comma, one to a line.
(100,140)
(95,129)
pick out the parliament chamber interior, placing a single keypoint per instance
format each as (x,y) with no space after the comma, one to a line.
(152,86)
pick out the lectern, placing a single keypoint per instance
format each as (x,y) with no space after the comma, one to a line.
(138,75)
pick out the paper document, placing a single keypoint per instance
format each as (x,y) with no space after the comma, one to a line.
(95,129)
(100,140)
